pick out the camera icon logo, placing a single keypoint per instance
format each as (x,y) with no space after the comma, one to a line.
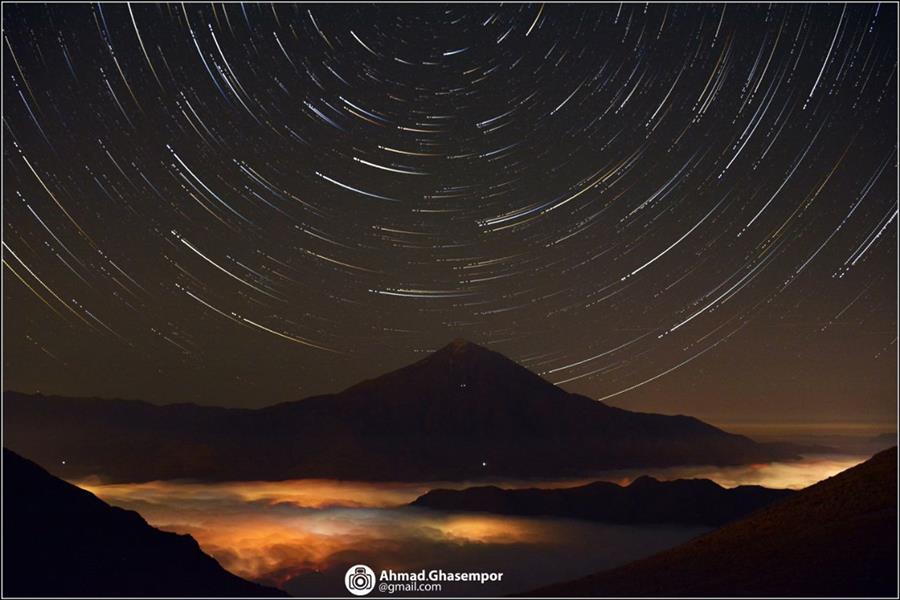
(359,580)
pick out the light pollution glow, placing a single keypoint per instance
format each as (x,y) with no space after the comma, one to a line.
(274,531)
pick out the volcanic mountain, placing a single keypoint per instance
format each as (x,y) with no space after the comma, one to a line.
(464,412)
(837,538)
(63,541)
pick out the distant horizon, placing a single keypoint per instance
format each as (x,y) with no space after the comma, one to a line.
(766,425)
(772,427)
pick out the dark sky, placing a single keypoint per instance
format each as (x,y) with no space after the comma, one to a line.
(687,208)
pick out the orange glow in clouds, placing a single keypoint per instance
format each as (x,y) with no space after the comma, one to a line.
(274,531)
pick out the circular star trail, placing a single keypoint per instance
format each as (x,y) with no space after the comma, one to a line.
(649,204)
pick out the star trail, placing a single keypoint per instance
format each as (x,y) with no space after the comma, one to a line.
(240,204)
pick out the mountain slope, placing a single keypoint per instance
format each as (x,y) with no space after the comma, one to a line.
(463,412)
(61,540)
(835,538)
(644,501)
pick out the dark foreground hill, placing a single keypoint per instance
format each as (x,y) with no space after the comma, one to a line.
(60,540)
(464,412)
(644,501)
(835,538)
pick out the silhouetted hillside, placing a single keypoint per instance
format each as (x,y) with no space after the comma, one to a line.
(463,412)
(835,538)
(60,540)
(646,500)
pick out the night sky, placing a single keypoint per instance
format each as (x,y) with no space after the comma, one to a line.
(687,208)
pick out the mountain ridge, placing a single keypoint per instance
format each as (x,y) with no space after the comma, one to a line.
(64,541)
(463,412)
(645,500)
(834,538)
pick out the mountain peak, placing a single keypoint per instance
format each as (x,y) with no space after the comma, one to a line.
(462,350)
(644,481)
(460,368)
(461,345)
(461,354)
